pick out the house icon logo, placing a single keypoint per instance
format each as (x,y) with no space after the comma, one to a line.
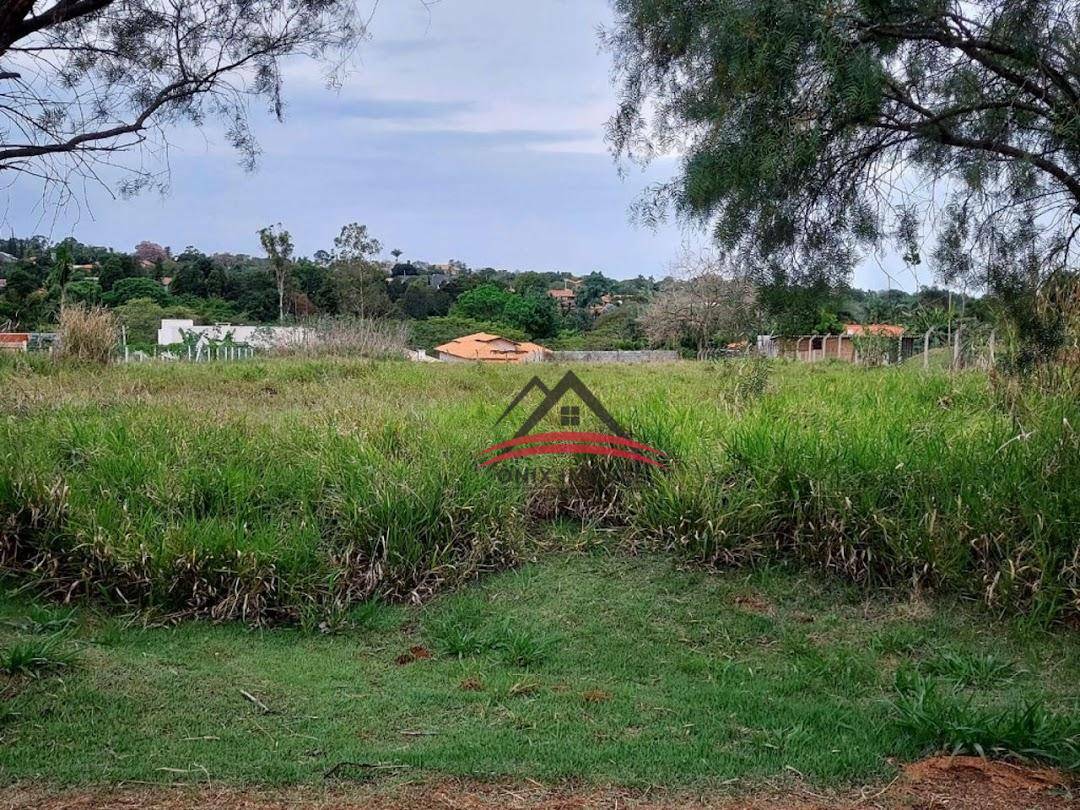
(613,444)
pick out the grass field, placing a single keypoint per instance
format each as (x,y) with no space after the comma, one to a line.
(841,566)
(591,665)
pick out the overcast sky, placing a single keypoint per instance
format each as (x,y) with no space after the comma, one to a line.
(469,130)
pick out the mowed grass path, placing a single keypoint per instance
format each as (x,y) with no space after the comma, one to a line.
(596,666)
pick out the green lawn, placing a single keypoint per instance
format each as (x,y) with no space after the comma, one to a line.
(596,665)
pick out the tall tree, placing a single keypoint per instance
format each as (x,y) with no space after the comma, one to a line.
(278,244)
(81,80)
(359,286)
(814,129)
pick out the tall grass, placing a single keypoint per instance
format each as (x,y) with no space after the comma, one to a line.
(288,489)
(899,479)
(87,334)
(352,337)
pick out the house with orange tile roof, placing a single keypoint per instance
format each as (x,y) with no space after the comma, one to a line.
(564,298)
(487,348)
(14,341)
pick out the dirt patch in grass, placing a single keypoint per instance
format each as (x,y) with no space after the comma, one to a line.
(755,603)
(956,783)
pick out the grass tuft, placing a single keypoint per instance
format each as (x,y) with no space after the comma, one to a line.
(971,669)
(36,656)
(939,720)
(520,647)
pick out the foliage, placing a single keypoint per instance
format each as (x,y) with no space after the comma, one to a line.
(874,349)
(593,287)
(794,117)
(83,291)
(127,289)
(356,288)
(141,318)
(484,303)
(534,315)
(421,300)
(278,244)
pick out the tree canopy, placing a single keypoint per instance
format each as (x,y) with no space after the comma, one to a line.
(812,130)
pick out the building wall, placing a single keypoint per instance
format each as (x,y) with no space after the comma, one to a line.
(263,337)
(648,356)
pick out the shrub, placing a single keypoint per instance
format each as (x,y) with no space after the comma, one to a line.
(87,334)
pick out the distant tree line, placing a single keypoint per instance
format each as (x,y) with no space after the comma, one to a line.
(686,310)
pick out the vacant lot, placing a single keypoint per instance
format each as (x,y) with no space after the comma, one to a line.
(842,569)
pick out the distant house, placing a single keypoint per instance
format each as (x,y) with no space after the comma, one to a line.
(7,258)
(490,349)
(564,298)
(14,341)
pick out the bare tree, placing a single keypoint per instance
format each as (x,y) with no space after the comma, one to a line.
(278,244)
(699,305)
(84,80)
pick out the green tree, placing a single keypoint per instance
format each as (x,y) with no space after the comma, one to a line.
(810,127)
(483,303)
(356,285)
(593,288)
(251,290)
(116,267)
(61,271)
(84,291)
(421,300)
(140,287)
(277,242)
(533,314)
(141,318)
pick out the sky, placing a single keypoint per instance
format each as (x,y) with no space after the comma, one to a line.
(467,129)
